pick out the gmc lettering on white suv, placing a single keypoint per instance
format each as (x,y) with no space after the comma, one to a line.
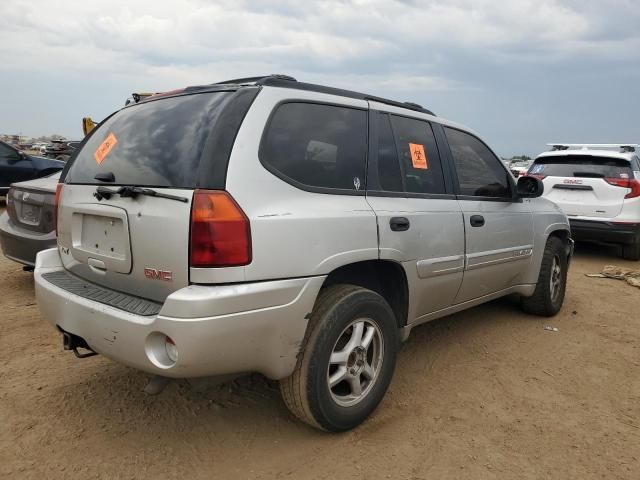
(295,230)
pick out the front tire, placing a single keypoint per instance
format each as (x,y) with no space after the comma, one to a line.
(346,360)
(548,296)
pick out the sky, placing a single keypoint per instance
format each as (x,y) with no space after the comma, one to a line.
(521,73)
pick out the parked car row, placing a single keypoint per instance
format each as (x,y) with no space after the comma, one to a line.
(61,149)
(17,166)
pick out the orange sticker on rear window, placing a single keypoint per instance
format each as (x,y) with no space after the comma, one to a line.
(418,157)
(105,147)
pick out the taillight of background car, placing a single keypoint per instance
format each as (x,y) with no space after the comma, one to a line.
(11,206)
(56,205)
(630,183)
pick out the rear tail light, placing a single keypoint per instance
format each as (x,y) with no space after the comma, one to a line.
(631,183)
(11,206)
(539,177)
(56,206)
(220,231)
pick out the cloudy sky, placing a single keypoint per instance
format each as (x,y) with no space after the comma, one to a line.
(520,72)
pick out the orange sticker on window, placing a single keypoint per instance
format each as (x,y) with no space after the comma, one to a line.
(105,147)
(418,157)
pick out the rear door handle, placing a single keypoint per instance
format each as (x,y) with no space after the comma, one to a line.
(477,221)
(399,224)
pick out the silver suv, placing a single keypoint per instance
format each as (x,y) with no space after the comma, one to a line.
(295,230)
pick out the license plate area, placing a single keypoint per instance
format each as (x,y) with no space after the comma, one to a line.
(102,234)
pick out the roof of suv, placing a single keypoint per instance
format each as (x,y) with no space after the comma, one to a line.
(286,81)
(626,150)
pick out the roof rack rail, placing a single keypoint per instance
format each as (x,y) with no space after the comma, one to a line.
(257,80)
(625,147)
(283,81)
(286,81)
(414,105)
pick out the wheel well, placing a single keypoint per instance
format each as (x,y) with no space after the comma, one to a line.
(386,278)
(564,236)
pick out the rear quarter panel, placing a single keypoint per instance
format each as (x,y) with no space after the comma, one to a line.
(294,233)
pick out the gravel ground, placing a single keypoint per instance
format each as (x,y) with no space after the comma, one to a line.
(486,393)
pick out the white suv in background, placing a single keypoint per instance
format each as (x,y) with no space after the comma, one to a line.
(599,190)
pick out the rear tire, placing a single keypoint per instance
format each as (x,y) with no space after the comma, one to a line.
(548,296)
(631,252)
(346,360)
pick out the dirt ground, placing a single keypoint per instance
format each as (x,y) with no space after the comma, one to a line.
(486,393)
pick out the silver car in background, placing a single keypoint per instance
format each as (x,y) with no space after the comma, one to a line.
(295,230)
(28,224)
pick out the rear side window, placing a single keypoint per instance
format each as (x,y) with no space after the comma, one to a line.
(158,143)
(480,172)
(408,158)
(581,166)
(316,145)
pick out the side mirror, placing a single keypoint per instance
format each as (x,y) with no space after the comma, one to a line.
(529,187)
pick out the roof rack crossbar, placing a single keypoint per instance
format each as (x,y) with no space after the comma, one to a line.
(625,147)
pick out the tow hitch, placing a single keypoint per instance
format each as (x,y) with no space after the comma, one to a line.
(73,342)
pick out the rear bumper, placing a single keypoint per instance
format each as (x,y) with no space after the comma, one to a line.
(22,245)
(253,327)
(604,232)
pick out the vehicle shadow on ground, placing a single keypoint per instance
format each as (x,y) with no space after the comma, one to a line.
(107,397)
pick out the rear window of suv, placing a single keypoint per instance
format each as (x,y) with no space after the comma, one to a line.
(581,166)
(156,143)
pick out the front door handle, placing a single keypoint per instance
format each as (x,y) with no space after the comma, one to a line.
(477,221)
(399,224)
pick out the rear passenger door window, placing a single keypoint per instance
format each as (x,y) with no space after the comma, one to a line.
(317,145)
(408,158)
(480,172)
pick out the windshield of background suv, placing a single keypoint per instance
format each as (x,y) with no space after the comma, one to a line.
(581,166)
(157,143)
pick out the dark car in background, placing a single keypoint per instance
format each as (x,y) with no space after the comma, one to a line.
(18,166)
(61,149)
(28,225)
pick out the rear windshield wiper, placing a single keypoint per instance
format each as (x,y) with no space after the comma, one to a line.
(133,192)
(588,174)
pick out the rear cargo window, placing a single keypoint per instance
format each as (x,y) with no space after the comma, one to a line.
(317,145)
(581,166)
(158,143)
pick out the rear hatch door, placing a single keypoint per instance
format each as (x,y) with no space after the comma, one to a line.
(585,185)
(135,242)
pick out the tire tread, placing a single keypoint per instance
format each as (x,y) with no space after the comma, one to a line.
(293,388)
(539,303)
